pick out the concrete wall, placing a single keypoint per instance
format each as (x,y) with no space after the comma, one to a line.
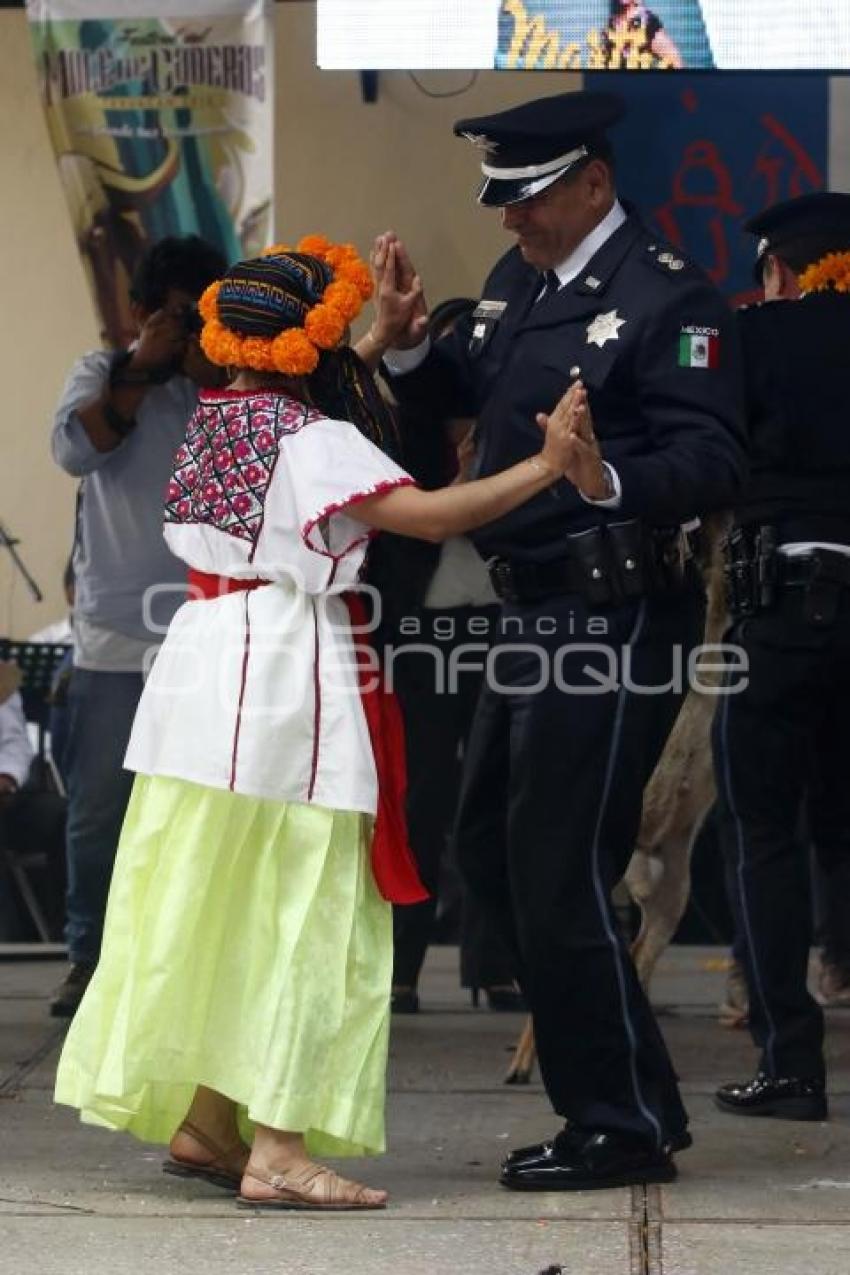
(341,167)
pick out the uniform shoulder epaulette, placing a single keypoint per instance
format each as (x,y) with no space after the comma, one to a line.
(668,260)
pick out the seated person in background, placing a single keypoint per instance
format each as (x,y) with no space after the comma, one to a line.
(16,751)
(10,680)
(32,822)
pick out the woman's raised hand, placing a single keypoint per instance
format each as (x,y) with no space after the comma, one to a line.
(570,445)
(401,314)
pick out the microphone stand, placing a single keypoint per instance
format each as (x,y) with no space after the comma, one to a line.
(8,542)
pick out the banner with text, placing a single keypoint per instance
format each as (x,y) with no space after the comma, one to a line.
(160,115)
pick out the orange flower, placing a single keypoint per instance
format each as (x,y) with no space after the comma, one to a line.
(345,298)
(325,326)
(832,271)
(207,307)
(256,352)
(219,344)
(314,245)
(339,254)
(358,273)
(294,353)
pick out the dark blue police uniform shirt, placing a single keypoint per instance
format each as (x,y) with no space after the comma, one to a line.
(657,347)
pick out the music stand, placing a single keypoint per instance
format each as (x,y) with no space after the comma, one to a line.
(38,661)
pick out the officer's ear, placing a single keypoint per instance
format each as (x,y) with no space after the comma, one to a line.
(780,280)
(599,180)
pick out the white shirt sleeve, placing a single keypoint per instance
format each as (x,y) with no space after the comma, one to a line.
(399,362)
(610,502)
(332,466)
(16,751)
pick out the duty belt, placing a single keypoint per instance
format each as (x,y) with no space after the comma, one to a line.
(605,565)
(757,572)
(817,564)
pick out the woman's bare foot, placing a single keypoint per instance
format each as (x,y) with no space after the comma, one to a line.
(281,1175)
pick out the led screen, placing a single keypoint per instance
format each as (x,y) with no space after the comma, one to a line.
(585,35)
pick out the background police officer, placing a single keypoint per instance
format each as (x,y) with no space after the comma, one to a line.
(562,746)
(785,737)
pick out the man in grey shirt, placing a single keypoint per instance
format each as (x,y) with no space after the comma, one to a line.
(120,419)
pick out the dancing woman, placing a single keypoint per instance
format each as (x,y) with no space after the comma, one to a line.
(240,1008)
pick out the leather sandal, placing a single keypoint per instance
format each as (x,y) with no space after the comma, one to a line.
(214,1170)
(311,1187)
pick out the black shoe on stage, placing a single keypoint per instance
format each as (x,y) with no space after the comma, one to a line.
(544,1150)
(581,1160)
(67,997)
(783,1097)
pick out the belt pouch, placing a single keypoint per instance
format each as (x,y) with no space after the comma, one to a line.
(591,555)
(631,558)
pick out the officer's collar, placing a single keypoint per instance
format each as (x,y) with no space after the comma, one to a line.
(581,256)
(604,264)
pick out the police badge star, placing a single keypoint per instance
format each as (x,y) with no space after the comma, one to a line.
(605,327)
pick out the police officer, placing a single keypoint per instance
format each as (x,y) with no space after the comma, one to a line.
(789,577)
(582,688)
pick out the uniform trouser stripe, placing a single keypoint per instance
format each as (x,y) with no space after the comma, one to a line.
(725,778)
(599,890)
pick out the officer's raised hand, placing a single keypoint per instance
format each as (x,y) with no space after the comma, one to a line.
(401,319)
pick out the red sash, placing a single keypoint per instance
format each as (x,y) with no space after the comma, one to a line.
(393,865)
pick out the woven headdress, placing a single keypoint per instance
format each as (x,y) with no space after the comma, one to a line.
(277,312)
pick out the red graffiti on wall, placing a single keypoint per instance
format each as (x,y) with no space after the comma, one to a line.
(781,168)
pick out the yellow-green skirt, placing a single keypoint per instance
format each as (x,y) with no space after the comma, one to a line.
(247,949)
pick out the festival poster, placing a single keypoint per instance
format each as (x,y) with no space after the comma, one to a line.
(160,116)
(700,154)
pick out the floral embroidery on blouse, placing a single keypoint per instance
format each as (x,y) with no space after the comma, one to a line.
(222,470)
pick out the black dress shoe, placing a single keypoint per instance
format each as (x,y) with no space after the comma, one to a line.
(543,1151)
(581,1160)
(783,1097)
(67,997)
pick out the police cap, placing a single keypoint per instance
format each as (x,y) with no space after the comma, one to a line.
(802,230)
(529,147)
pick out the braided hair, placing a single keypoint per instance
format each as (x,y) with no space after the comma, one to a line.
(343,387)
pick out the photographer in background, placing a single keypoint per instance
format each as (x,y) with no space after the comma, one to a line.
(120,419)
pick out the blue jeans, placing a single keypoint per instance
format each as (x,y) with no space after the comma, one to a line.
(101,708)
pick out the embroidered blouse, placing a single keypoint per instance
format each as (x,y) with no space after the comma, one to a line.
(257,691)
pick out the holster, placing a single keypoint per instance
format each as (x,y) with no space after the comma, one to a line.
(757,574)
(751,570)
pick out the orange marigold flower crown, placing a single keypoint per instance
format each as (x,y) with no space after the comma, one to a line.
(832,271)
(294,349)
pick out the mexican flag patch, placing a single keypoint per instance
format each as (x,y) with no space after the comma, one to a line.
(699,347)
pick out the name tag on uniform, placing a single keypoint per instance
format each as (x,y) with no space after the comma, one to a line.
(485,317)
(489,310)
